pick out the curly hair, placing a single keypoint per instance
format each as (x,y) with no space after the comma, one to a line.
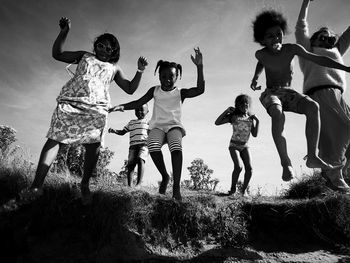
(266,20)
(166,64)
(114,45)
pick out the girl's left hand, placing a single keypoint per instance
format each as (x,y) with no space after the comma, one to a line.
(198,58)
(142,63)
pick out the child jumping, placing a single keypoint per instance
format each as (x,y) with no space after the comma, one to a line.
(276,58)
(83,103)
(326,86)
(243,124)
(138,150)
(165,125)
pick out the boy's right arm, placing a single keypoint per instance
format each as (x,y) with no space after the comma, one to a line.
(136,103)
(118,132)
(65,56)
(225,116)
(320,60)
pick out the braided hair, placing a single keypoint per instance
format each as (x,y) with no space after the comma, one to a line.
(166,64)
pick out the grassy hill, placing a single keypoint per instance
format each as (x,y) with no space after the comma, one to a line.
(125,225)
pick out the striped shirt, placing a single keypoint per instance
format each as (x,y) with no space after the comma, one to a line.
(138,131)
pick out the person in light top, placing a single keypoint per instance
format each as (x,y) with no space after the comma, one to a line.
(326,86)
(138,151)
(165,125)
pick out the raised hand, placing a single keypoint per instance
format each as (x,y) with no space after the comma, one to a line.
(198,58)
(142,63)
(65,23)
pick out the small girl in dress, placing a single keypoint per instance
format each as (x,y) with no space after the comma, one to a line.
(82,106)
(243,123)
(165,125)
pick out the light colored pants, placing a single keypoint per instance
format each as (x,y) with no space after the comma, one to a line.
(335,125)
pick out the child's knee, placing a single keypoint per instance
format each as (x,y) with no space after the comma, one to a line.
(238,168)
(309,106)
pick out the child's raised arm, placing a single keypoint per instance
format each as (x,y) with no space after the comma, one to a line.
(136,103)
(196,91)
(65,56)
(320,60)
(225,117)
(130,86)
(258,70)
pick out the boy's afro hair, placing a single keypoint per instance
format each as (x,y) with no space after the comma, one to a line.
(266,20)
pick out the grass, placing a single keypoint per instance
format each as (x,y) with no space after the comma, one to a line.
(122,224)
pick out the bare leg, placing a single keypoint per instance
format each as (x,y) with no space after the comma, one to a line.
(236,170)
(176,161)
(140,171)
(278,120)
(47,156)
(130,170)
(92,152)
(158,160)
(312,130)
(247,169)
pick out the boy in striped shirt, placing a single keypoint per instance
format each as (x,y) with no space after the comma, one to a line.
(138,151)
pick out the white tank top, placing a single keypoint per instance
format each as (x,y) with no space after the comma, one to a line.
(166,110)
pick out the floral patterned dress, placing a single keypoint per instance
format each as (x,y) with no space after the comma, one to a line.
(241,129)
(82,106)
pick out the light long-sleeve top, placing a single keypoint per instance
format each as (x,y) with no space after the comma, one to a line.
(315,75)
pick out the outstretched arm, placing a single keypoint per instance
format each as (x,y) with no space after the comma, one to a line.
(65,56)
(134,104)
(130,86)
(196,91)
(118,132)
(258,70)
(255,127)
(320,60)
(225,117)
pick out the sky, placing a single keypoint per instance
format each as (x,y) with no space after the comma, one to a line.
(30,79)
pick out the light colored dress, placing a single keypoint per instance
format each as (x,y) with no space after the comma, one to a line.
(83,103)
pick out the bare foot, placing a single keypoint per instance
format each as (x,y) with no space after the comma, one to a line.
(287,173)
(316,162)
(163,185)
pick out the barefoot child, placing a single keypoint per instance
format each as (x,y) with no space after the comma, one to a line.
(165,125)
(276,58)
(243,125)
(326,86)
(138,150)
(82,106)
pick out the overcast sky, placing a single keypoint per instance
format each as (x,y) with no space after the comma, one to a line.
(30,79)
